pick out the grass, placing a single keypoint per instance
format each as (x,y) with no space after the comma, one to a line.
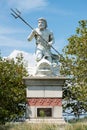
(27,126)
(76,126)
(42,126)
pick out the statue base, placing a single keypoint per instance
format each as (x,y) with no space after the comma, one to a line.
(45,68)
(44,99)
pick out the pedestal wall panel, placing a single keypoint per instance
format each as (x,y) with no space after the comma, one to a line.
(44,91)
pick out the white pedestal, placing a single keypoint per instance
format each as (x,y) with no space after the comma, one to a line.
(44,94)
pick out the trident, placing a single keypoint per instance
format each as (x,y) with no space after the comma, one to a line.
(16,14)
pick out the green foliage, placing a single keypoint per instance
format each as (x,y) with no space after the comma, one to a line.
(42,113)
(12,88)
(75,66)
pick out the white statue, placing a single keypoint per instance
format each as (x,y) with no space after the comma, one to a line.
(44,40)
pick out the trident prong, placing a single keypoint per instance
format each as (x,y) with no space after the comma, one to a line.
(14,16)
(16,13)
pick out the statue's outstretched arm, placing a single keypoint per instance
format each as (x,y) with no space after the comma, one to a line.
(32,35)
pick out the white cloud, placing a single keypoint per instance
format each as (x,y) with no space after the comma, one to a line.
(12,42)
(8,41)
(27,4)
(28,57)
(7,30)
(6,38)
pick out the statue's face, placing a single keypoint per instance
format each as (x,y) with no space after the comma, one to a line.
(41,25)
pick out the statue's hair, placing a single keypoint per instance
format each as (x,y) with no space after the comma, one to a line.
(43,19)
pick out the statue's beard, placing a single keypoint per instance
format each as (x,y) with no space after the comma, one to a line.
(41,27)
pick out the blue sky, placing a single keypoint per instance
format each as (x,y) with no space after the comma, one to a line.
(62,17)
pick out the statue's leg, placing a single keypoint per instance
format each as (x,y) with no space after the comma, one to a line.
(47,55)
(39,55)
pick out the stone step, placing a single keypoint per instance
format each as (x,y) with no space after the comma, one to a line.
(44,120)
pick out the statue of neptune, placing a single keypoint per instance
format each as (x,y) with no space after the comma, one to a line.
(46,61)
(44,40)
